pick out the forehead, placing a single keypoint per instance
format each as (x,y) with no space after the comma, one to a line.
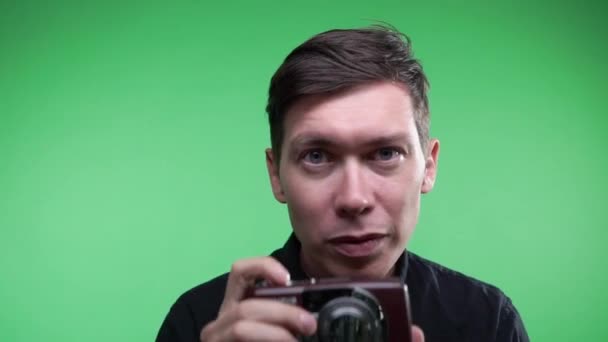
(364,113)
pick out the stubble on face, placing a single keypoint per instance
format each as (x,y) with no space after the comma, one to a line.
(351,173)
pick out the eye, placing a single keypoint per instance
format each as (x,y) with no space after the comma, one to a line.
(315,157)
(387,154)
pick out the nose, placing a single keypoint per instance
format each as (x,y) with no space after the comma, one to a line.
(353,196)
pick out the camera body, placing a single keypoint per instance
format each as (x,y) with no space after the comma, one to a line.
(347,309)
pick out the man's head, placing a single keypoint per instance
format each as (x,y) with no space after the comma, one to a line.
(351,153)
(338,60)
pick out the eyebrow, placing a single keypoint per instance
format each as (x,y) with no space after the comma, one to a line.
(322,140)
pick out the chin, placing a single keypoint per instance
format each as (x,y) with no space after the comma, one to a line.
(362,269)
(371,274)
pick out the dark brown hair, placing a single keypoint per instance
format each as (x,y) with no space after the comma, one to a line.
(339,60)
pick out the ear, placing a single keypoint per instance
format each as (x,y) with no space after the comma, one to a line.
(430,170)
(273,173)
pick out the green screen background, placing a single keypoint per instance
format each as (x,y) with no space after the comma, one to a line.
(132,165)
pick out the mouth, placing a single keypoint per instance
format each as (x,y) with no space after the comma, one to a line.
(358,246)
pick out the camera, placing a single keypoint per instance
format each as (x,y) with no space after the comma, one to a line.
(348,310)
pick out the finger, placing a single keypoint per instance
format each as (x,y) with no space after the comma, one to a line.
(417,334)
(288,316)
(244,331)
(255,331)
(244,272)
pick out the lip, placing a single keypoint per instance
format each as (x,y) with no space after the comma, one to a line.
(358,246)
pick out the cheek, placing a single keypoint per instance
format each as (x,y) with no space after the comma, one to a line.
(402,203)
(307,207)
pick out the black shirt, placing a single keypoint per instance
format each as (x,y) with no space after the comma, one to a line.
(447,305)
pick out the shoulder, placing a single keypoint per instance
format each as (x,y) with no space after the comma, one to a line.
(448,301)
(204,300)
(438,278)
(193,310)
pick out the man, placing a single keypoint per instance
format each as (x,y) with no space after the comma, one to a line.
(351,156)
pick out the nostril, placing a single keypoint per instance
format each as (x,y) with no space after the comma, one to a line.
(354,209)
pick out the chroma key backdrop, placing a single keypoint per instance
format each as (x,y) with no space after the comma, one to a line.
(132,140)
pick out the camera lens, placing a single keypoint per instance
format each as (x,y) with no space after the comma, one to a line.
(349,319)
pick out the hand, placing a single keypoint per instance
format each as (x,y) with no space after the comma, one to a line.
(257,319)
(417,335)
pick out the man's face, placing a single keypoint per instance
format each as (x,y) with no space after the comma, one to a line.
(352,172)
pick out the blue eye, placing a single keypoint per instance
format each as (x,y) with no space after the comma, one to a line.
(386,154)
(315,157)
